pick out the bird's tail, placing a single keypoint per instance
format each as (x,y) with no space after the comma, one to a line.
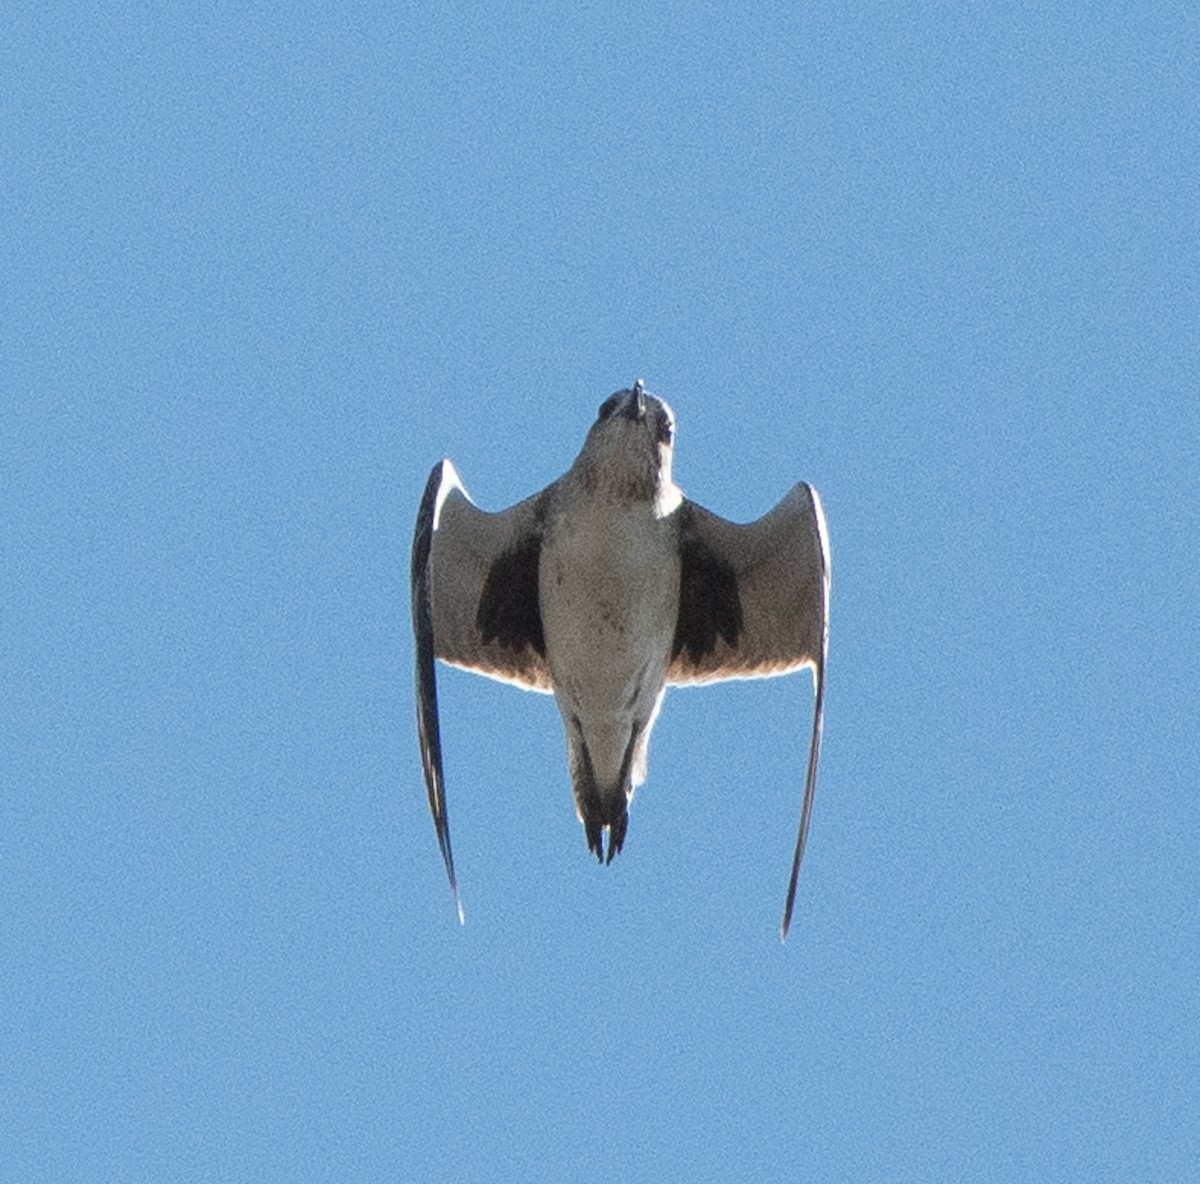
(602,807)
(599,812)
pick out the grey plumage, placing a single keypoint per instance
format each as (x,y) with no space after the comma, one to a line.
(603,589)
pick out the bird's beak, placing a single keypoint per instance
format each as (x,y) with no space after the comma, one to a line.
(635,409)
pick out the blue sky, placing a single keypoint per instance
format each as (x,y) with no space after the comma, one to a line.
(265,264)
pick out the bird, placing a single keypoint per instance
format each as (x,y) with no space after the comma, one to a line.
(604,589)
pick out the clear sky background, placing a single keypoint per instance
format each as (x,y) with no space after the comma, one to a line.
(262,265)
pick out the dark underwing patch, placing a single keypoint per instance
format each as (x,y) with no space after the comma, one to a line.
(508,607)
(709,602)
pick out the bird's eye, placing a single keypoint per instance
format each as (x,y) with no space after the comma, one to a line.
(664,429)
(609,406)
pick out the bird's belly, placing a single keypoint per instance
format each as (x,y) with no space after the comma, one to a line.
(609,593)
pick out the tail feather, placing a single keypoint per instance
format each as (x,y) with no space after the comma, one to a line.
(597,819)
(601,810)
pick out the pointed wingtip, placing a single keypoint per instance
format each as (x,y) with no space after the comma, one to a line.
(444,838)
(810,785)
(786,923)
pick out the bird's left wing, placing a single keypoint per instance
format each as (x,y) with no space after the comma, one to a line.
(754,602)
(474,605)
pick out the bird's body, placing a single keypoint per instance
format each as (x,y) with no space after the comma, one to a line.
(602,589)
(609,584)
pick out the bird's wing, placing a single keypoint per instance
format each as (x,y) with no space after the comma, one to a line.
(474,605)
(754,602)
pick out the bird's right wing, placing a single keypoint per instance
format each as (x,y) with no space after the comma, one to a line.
(754,602)
(474,605)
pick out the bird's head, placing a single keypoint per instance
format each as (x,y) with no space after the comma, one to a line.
(628,453)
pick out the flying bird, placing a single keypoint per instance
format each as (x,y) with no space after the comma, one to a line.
(605,588)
